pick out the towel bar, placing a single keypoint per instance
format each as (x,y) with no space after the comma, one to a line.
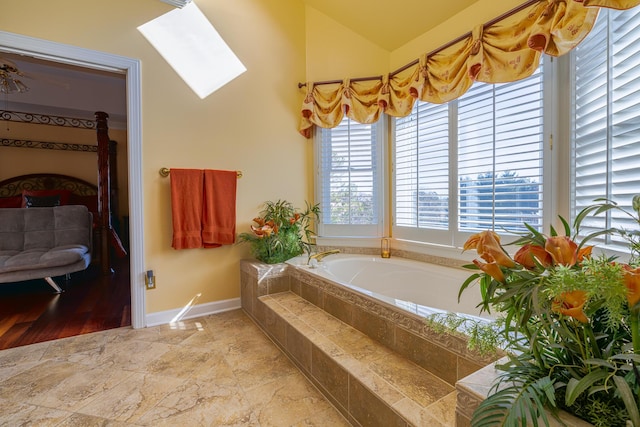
(164,172)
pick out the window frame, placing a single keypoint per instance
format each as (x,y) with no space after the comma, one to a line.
(339,231)
(453,237)
(427,235)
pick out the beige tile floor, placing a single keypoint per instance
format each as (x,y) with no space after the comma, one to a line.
(217,370)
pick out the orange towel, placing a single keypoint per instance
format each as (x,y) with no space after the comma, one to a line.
(186,208)
(219,210)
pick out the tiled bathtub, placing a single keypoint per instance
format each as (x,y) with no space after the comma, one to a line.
(404,333)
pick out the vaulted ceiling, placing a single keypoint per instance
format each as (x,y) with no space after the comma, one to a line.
(390,23)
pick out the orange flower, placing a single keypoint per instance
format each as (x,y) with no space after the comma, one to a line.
(632,282)
(272,225)
(492,269)
(472,242)
(487,244)
(562,249)
(480,239)
(526,254)
(265,229)
(490,250)
(571,304)
(584,252)
(294,219)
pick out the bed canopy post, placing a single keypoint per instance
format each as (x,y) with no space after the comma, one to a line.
(104,190)
(113,183)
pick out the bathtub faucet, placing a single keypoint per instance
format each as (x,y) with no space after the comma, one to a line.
(318,257)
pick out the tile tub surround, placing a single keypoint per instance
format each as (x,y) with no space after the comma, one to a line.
(405,334)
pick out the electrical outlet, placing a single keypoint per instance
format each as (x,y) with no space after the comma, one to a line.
(150,280)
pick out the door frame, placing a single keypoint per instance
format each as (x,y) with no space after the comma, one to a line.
(67,54)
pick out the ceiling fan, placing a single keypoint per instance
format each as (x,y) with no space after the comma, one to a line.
(9,77)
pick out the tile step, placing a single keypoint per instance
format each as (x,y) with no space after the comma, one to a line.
(367,382)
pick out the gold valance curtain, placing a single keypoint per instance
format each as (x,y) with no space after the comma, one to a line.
(504,51)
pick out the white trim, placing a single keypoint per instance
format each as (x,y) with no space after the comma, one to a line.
(48,50)
(171,316)
(136,210)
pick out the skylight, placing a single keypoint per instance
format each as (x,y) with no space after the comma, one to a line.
(188,42)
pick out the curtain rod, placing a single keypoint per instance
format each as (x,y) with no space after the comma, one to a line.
(433,52)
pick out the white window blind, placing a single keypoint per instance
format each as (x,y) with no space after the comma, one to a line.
(500,153)
(606,119)
(349,177)
(472,164)
(422,167)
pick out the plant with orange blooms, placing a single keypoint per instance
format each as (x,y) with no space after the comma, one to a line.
(281,232)
(570,322)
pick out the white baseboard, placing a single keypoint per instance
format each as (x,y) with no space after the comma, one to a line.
(190,312)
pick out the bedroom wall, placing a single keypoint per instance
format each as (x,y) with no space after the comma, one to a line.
(22,161)
(248,125)
(19,161)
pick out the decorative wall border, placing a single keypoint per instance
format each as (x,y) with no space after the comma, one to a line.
(24,143)
(46,119)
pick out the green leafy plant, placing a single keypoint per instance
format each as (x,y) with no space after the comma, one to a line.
(482,336)
(570,326)
(281,231)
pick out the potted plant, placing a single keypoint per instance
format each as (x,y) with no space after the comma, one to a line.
(281,231)
(570,324)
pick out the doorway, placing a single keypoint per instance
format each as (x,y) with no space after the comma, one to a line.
(65,54)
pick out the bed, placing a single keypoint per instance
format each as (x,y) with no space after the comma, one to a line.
(48,189)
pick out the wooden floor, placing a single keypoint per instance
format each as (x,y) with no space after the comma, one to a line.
(32,312)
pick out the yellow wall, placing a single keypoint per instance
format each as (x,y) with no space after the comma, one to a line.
(479,13)
(336,52)
(248,125)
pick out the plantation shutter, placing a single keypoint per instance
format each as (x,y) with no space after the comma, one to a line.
(422,167)
(349,176)
(500,152)
(606,119)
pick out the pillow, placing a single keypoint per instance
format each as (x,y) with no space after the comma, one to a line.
(11,202)
(64,195)
(41,201)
